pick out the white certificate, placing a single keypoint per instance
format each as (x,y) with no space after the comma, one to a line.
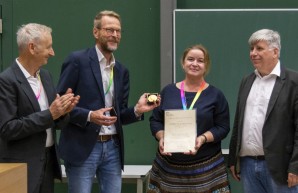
(180,130)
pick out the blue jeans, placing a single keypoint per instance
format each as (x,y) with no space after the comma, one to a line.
(104,162)
(256,178)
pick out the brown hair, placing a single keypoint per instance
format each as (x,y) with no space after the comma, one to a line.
(98,17)
(207,60)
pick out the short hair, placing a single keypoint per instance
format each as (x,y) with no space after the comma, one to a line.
(271,37)
(31,32)
(207,59)
(98,17)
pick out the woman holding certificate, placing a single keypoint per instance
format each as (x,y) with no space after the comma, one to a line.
(189,124)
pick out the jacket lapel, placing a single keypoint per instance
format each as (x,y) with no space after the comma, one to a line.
(116,83)
(47,86)
(276,90)
(94,64)
(25,86)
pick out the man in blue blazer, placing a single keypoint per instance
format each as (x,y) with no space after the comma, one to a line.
(92,143)
(264,142)
(31,110)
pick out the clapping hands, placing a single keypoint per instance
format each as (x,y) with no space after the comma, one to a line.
(63,104)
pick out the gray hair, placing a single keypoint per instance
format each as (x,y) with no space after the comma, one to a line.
(271,37)
(31,32)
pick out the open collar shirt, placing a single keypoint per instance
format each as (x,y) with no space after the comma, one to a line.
(106,69)
(255,112)
(38,89)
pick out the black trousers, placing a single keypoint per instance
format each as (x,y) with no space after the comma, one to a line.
(47,176)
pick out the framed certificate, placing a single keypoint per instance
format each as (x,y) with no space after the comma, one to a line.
(180,131)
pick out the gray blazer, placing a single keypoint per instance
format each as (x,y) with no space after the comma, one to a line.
(280,130)
(23,125)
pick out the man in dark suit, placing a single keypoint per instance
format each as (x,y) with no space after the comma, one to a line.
(92,143)
(264,142)
(31,110)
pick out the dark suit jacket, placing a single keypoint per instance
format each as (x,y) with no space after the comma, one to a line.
(23,125)
(280,130)
(81,72)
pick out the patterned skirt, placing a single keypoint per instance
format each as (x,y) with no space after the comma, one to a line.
(208,176)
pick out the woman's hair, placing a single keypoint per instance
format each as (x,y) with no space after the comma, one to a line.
(271,37)
(97,19)
(207,59)
(32,32)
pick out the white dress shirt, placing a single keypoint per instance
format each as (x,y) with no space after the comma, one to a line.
(38,90)
(106,69)
(255,112)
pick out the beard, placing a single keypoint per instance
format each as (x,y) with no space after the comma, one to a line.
(109,46)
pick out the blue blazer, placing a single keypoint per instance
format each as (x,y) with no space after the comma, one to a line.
(280,130)
(81,72)
(23,125)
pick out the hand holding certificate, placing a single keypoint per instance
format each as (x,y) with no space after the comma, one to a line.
(180,131)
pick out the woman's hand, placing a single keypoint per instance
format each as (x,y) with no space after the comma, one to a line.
(160,137)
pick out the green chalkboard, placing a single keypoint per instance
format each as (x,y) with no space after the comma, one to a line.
(225,33)
(72,23)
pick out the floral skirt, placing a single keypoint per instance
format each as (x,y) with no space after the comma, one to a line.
(208,176)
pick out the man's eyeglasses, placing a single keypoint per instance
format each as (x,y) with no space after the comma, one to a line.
(111,31)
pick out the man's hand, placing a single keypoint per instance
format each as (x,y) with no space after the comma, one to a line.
(63,104)
(292,180)
(142,106)
(234,173)
(98,117)
(73,103)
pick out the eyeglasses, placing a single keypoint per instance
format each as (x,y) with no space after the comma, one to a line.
(111,31)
